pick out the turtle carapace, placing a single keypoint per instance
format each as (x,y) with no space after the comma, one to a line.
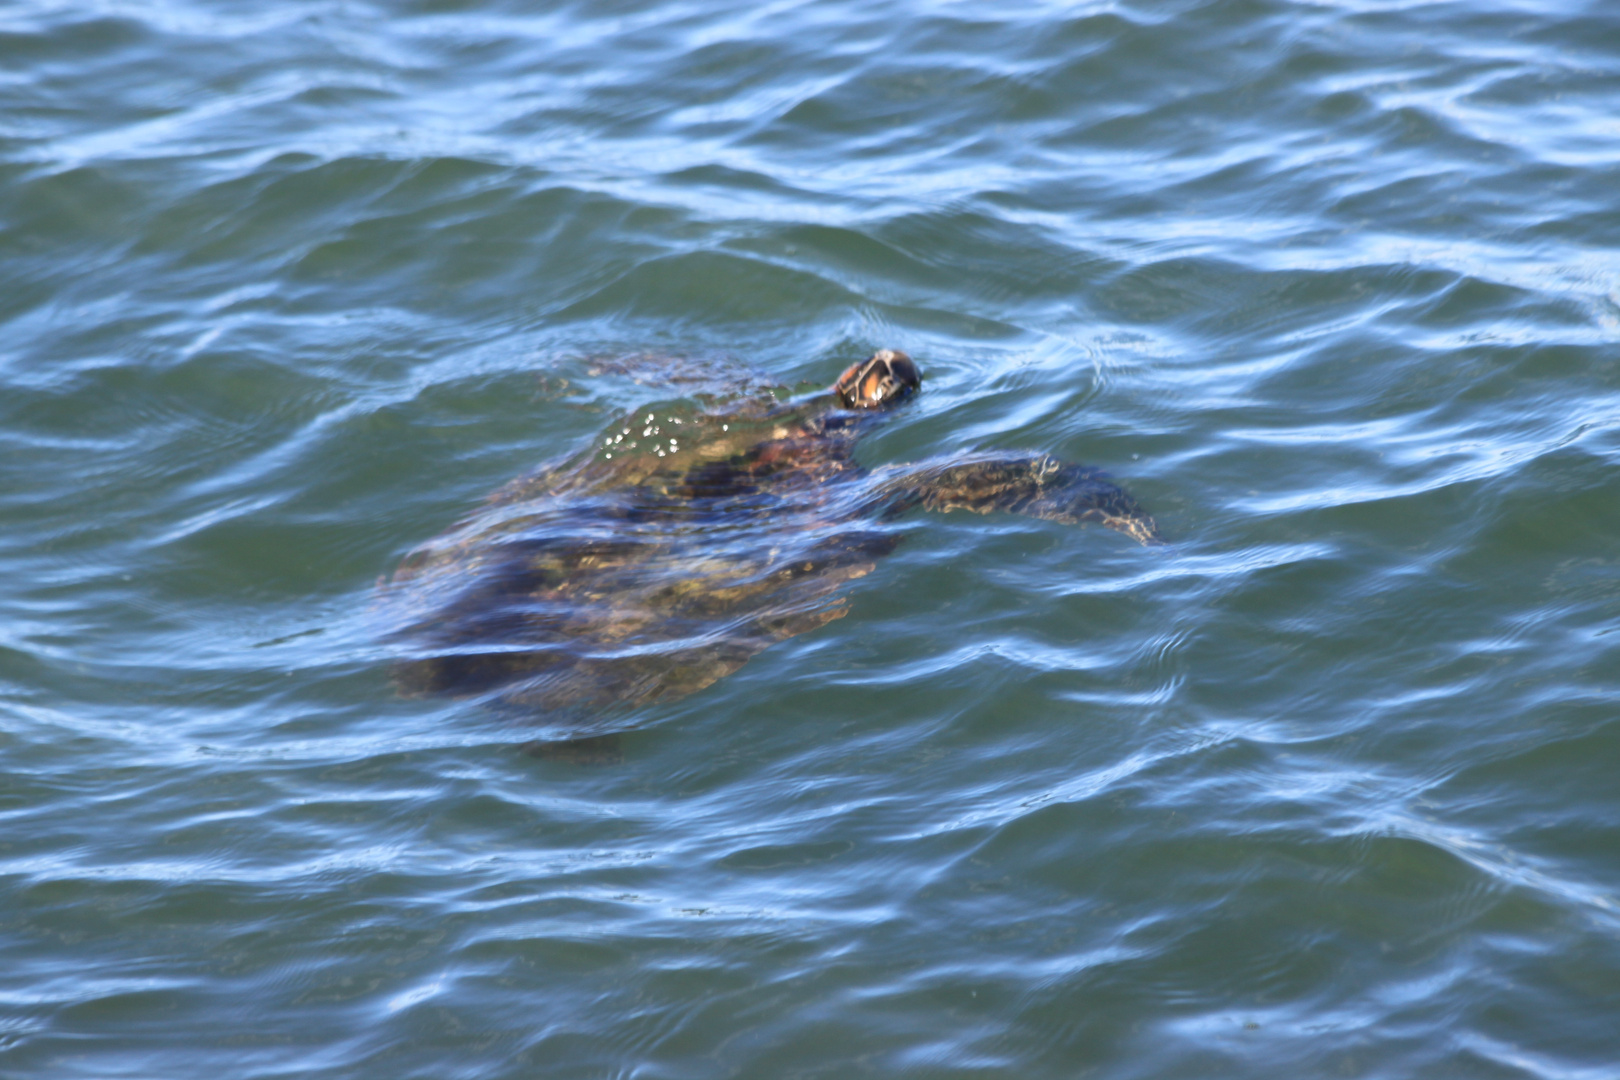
(688,538)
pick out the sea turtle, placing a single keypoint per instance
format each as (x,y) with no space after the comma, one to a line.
(686,539)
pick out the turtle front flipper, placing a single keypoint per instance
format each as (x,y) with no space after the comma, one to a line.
(1033,485)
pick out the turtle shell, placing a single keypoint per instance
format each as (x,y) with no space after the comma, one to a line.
(686,540)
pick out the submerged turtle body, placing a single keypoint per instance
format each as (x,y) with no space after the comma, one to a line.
(686,540)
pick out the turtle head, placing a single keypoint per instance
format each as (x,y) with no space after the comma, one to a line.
(888,378)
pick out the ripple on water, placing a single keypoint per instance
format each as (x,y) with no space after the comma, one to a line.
(1319,787)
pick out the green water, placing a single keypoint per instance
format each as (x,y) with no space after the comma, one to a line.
(1321,788)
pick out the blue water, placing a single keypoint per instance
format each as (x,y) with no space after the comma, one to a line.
(1323,787)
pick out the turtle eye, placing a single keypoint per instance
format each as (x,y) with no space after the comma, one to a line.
(848,385)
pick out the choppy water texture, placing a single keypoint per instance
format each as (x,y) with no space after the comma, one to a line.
(1323,787)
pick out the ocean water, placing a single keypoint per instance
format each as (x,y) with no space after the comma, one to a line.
(1322,787)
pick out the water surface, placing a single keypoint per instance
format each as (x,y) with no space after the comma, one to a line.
(1324,787)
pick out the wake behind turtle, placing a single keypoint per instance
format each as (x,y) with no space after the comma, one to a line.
(688,538)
